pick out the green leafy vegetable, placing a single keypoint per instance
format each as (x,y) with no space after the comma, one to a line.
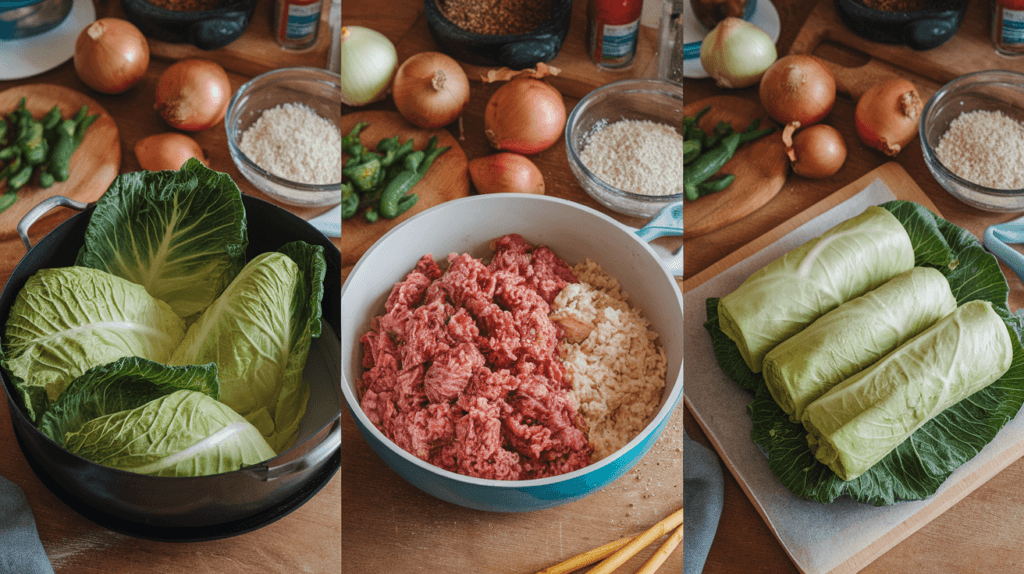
(122,385)
(180,234)
(67,320)
(780,299)
(918,466)
(259,333)
(853,336)
(185,433)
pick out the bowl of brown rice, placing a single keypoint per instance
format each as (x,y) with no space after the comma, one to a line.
(972,137)
(436,424)
(284,135)
(624,142)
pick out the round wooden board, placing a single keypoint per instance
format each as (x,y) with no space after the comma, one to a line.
(760,166)
(447,178)
(94,165)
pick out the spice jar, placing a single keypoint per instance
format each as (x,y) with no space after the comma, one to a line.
(296,22)
(1008,27)
(613,27)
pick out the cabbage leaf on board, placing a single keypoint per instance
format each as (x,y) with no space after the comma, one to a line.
(259,332)
(122,385)
(915,469)
(68,319)
(180,234)
(185,433)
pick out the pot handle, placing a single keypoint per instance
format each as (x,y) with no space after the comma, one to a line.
(313,458)
(41,209)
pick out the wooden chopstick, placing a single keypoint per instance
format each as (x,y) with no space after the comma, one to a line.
(662,553)
(615,554)
(587,558)
(620,556)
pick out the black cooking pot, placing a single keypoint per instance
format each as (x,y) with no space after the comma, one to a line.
(516,51)
(919,29)
(204,29)
(206,507)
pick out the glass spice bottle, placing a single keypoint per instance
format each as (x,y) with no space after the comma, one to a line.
(296,22)
(1008,27)
(613,27)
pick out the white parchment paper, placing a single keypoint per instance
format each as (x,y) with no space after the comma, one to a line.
(818,537)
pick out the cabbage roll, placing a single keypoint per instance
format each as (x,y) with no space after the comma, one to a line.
(779,300)
(853,336)
(860,420)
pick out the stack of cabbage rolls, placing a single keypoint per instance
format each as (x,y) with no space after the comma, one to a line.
(860,346)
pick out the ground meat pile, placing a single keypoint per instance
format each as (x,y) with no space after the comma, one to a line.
(462,369)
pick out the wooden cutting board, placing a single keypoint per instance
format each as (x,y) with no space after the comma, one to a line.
(94,165)
(447,178)
(857,62)
(760,166)
(861,550)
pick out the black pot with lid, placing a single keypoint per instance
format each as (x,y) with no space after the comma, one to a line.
(206,24)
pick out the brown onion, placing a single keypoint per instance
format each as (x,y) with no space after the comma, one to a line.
(111,55)
(525,116)
(888,114)
(167,151)
(192,95)
(816,151)
(505,173)
(430,89)
(798,88)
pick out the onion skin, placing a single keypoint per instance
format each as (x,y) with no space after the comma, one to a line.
(815,152)
(736,53)
(798,88)
(524,116)
(430,89)
(111,55)
(506,173)
(888,114)
(165,151)
(193,95)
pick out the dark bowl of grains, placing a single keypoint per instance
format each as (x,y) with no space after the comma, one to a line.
(206,24)
(625,145)
(513,33)
(284,133)
(972,137)
(920,24)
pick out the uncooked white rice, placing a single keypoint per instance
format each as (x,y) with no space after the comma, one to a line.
(618,371)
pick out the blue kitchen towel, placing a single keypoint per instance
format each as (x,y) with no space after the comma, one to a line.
(329,223)
(703,488)
(20,548)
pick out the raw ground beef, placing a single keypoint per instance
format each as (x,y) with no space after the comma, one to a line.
(462,369)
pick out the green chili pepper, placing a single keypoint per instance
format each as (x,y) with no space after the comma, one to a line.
(7,200)
(715,185)
(51,119)
(20,178)
(349,142)
(363,175)
(711,161)
(46,179)
(349,201)
(691,150)
(83,125)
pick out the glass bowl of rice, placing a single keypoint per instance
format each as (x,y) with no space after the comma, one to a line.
(972,137)
(284,135)
(624,142)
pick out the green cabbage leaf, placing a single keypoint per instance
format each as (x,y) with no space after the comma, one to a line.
(259,333)
(66,320)
(185,433)
(180,234)
(122,385)
(916,468)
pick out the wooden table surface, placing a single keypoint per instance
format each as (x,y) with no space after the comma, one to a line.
(389,525)
(307,540)
(982,532)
